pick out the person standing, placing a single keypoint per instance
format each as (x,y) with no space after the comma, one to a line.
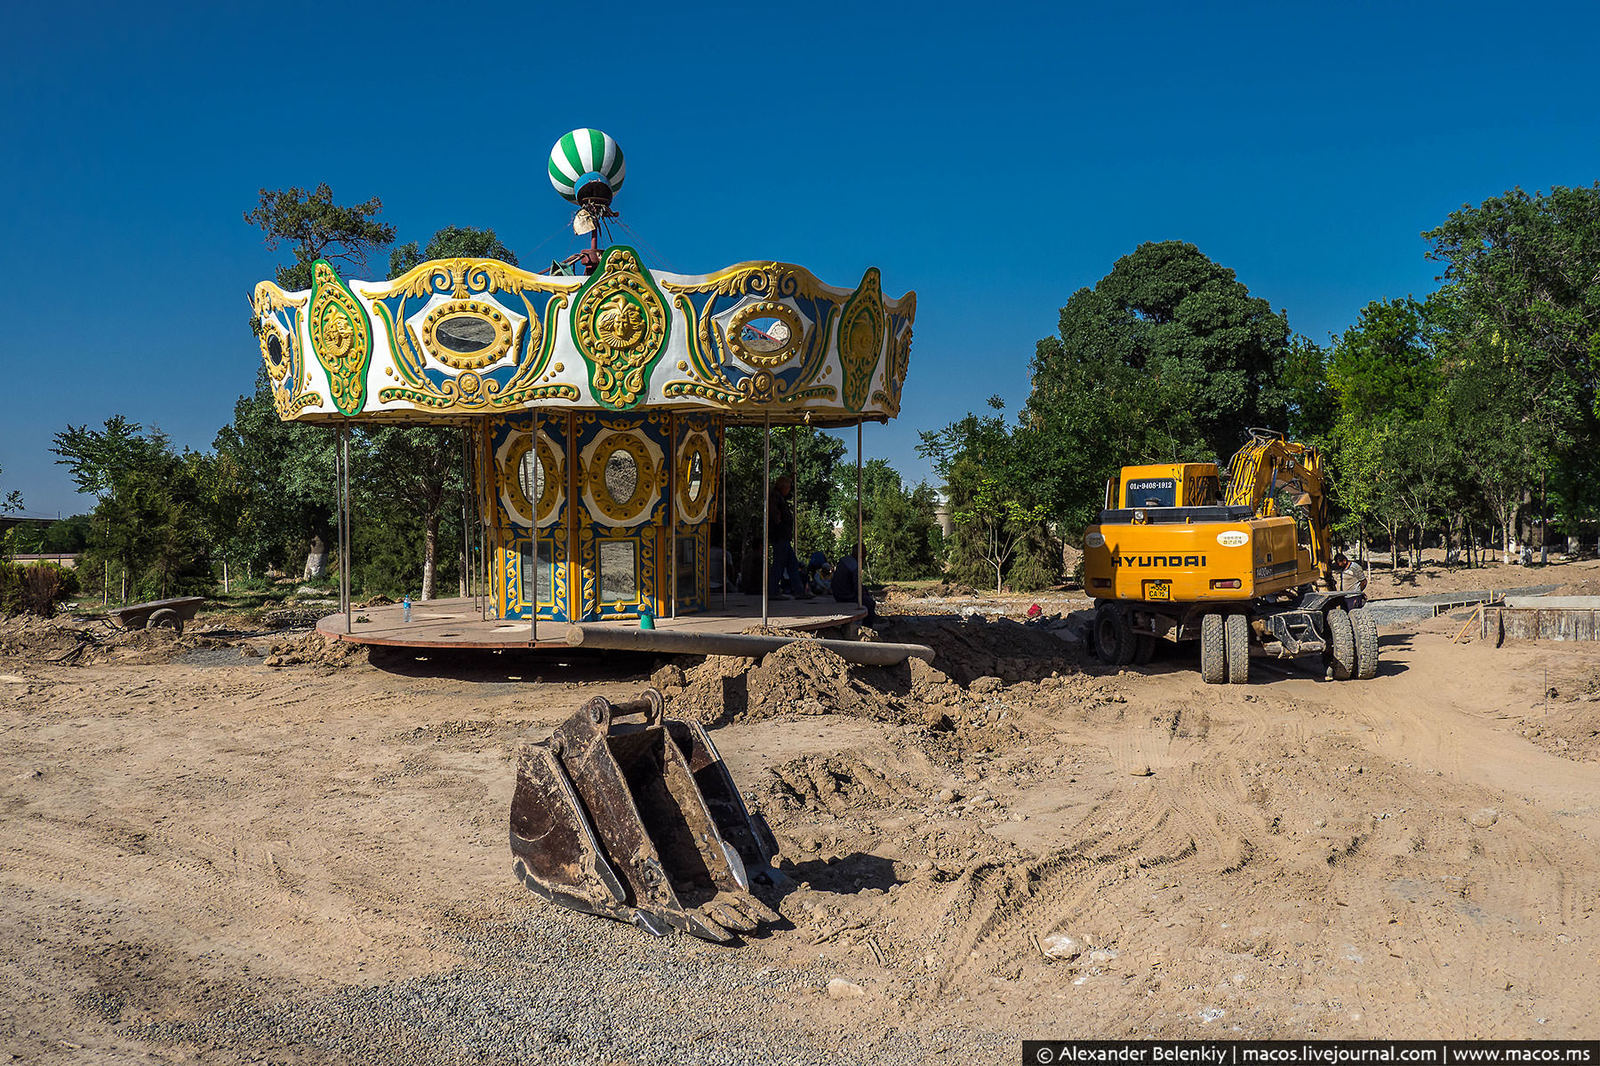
(785,580)
(1352,577)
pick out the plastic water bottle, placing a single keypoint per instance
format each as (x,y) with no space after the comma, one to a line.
(406,605)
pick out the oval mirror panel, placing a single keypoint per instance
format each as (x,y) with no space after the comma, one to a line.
(622,476)
(696,474)
(765,334)
(465,333)
(532,477)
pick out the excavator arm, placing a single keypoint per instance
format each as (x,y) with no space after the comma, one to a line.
(1269,463)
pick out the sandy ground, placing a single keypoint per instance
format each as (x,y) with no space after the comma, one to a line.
(205,857)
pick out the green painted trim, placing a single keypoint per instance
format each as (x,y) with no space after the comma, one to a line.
(361,359)
(600,276)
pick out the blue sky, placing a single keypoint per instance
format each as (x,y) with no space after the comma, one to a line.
(1304,147)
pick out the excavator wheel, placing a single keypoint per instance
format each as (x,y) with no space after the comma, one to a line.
(1213,650)
(1238,645)
(1341,644)
(1113,637)
(1366,633)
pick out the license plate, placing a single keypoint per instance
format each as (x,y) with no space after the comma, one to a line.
(1158,590)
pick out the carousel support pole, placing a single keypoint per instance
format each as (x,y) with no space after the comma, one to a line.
(861,550)
(794,488)
(766,515)
(344,526)
(466,530)
(575,605)
(722,468)
(485,538)
(533,533)
(672,506)
(338,508)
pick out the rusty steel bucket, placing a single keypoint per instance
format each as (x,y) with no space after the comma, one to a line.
(623,813)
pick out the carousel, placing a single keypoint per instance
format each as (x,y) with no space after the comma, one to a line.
(594,401)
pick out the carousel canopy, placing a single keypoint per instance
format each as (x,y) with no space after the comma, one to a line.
(459,338)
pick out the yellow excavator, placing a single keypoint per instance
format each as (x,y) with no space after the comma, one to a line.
(1181,554)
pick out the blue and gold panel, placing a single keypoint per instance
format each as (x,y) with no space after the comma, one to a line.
(469,335)
(697,476)
(621,500)
(532,512)
(278,323)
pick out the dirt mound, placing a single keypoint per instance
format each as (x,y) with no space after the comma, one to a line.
(80,642)
(975,647)
(47,639)
(314,649)
(292,617)
(800,678)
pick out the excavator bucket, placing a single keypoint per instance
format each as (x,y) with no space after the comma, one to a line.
(625,814)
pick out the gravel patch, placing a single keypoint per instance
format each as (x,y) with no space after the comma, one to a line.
(549,986)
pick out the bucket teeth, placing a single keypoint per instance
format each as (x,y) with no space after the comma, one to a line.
(622,813)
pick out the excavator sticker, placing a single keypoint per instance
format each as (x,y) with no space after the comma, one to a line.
(1233,538)
(1159,560)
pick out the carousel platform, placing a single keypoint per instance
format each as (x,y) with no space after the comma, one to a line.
(458,623)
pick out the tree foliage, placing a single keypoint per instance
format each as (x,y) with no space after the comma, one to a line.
(452,242)
(314,227)
(153,523)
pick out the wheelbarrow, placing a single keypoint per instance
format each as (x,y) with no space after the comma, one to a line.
(626,814)
(158,614)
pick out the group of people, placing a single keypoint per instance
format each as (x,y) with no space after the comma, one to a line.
(787,580)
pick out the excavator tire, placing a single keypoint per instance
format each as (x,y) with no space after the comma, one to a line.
(1213,650)
(1366,633)
(1238,645)
(1341,644)
(1113,637)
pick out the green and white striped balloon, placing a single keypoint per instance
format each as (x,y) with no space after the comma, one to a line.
(584,153)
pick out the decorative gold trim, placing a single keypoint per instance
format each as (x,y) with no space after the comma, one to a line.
(277,369)
(644,488)
(695,442)
(269,297)
(793,346)
(620,326)
(861,327)
(462,275)
(493,352)
(341,337)
(554,478)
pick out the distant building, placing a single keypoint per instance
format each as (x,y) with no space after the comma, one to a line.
(67,559)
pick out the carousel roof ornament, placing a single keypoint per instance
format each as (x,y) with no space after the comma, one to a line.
(585,157)
(456,339)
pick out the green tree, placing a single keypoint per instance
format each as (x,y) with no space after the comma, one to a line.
(315,227)
(149,520)
(285,472)
(997,522)
(1168,358)
(1386,363)
(412,475)
(11,501)
(900,531)
(287,467)
(409,478)
(1522,278)
(815,460)
(452,242)
(995,476)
